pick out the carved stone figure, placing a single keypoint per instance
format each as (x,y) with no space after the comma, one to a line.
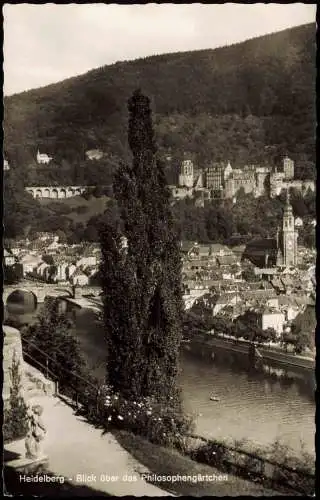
(36,433)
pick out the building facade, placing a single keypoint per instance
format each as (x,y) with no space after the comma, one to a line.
(217,174)
(186,176)
(288,168)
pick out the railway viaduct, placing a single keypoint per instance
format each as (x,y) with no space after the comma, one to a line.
(56,192)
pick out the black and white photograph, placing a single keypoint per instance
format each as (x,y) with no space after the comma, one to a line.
(159,249)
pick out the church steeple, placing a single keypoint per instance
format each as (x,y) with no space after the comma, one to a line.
(288,219)
(289,235)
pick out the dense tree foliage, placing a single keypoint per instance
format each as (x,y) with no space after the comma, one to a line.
(258,217)
(252,101)
(247,327)
(15,424)
(303,330)
(218,221)
(141,280)
(51,339)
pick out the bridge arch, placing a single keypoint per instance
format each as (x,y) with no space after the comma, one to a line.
(46,193)
(22,301)
(38,193)
(54,194)
(63,193)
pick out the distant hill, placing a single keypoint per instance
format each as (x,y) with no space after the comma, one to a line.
(249,102)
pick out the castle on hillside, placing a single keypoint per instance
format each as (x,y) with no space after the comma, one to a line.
(43,158)
(222,181)
(285,180)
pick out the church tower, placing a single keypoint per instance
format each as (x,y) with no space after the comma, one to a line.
(289,236)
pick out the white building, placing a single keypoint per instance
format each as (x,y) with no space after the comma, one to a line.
(6,165)
(298,222)
(30,263)
(9,258)
(272,319)
(94,154)
(43,158)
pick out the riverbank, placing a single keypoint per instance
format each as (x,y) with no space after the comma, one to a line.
(206,344)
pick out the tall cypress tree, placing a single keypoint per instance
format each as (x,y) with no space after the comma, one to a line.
(142,281)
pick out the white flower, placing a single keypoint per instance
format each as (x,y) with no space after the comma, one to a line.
(149,412)
(109,418)
(119,417)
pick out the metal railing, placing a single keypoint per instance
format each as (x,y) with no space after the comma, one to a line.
(93,409)
(65,380)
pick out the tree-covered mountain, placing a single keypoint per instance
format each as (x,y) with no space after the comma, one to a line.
(249,102)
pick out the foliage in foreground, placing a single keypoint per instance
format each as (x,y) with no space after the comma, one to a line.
(161,424)
(276,467)
(50,343)
(141,272)
(15,424)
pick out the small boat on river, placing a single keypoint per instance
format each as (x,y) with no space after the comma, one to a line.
(214,398)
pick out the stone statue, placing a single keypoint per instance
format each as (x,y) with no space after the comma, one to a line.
(36,433)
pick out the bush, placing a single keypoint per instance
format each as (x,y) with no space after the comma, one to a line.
(161,424)
(15,425)
(98,191)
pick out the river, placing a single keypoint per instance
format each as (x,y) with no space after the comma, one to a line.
(255,406)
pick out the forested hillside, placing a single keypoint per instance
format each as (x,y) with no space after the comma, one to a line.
(249,102)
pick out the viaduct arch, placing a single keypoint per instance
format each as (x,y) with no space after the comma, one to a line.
(56,192)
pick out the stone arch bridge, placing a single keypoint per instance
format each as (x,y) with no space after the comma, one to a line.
(41,291)
(56,192)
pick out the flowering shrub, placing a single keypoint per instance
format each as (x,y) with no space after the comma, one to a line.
(161,424)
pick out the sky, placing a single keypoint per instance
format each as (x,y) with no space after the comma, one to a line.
(47,43)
